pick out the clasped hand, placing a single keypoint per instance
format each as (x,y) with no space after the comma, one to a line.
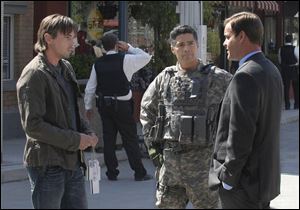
(87,141)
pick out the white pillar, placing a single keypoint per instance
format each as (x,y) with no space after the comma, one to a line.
(202,40)
(191,13)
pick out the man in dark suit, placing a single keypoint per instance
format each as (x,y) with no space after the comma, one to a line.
(245,167)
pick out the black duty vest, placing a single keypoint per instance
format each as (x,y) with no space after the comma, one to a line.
(287,55)
(111,79)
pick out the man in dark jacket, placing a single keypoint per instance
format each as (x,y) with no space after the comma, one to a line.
(245,165)
(56,134)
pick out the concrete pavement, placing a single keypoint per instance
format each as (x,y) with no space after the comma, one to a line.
(12,167)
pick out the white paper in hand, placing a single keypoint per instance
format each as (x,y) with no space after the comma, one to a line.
(94,175)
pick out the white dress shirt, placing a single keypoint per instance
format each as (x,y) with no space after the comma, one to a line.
(133,61)
(247,56)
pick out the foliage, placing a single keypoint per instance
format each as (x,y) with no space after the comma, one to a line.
(78,9)
(162,17)
(213,42)
(212,19)
(82,65)
(208,10)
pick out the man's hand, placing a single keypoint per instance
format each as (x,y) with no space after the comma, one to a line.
(95,139)
(87,141)
(123,46)
(89,114)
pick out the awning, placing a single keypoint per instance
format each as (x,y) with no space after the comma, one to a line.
(267,5)
(261,5)
(243,4)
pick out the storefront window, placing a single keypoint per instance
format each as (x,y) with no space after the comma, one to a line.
(291,20)
(96,17)
(6,48)
(139,35)
(291,26)
(7,41)
(269,35)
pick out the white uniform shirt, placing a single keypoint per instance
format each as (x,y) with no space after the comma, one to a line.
(133,61)
(98,51)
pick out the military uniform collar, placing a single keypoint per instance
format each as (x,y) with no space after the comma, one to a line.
(182,71)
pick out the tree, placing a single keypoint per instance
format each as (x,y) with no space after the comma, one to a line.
(162,17)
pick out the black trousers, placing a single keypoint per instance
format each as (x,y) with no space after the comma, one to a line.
(117,116)
(238,199)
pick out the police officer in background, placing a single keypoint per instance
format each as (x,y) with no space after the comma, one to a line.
(109,79)
(288,57)
(178,113)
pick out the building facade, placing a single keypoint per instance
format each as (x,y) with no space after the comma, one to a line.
(20,21)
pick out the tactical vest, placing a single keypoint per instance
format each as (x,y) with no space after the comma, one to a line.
(287,55)
(185,102)
(111,79)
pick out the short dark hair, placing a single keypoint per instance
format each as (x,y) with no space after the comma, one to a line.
(53,24)
(109,41)
(248,22)
(288,38)
(181,29)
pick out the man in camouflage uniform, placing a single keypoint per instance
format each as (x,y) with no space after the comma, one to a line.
(178,114)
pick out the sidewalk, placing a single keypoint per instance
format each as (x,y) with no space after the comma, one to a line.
(12,168)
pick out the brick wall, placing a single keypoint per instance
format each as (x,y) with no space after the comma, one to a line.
(9,100)
(23,42)
(22,53)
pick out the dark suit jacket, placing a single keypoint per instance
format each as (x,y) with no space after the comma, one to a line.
(246,151)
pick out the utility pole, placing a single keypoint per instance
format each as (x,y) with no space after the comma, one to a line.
(123,23)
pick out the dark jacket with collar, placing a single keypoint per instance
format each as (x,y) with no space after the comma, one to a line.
(246,152)
(46,117)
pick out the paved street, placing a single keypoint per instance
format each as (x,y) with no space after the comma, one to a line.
(289,145)
(128,194)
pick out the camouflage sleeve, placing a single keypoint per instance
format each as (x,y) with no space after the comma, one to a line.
(219,82)
(224,78)
(149,105)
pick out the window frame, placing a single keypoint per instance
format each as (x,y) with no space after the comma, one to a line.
(11,48)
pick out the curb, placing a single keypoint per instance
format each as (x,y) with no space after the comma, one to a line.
(17,172)
(289,120)
(13,173)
